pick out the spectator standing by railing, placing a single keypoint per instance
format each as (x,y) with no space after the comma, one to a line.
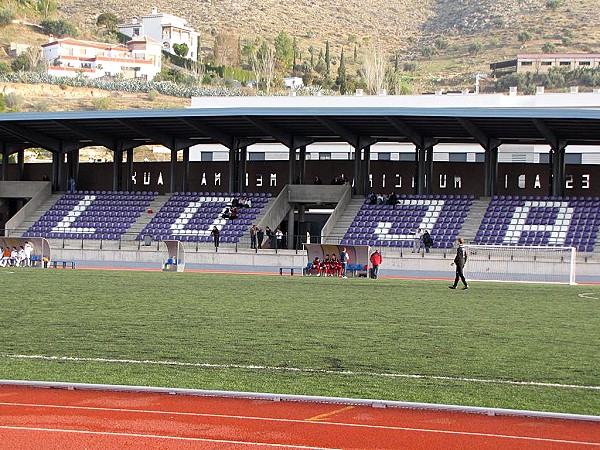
(260,236)
(215,234)
(253,233)
(427,241)
(417,240)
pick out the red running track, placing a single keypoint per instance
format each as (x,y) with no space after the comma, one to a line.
(36,418)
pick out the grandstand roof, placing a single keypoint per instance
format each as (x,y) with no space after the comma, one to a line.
(296,126)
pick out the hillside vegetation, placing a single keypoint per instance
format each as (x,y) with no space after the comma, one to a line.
(424,44)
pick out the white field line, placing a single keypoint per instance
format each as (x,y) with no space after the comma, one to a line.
(299,370)
(157,436)
(294,421)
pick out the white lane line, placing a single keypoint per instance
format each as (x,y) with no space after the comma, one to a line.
(590,295)
(157,436)
(299,370)
(297,421)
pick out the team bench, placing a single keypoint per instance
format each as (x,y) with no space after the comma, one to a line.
(291,269)
(62,263)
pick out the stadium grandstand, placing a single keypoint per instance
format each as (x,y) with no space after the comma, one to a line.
(501,170)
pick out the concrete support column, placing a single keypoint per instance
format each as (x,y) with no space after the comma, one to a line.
(424,169)
(4,162)
(232,168)
(55,171)
(118,168)
(291,165)
(420,171)
(21,164)
(186,170)
(129,170)
(290,228)
(73,165)
(303,164)
(491,172)
(557,171)
(357,171)
(173,167)
(242,168)
(61,175)
(366,171)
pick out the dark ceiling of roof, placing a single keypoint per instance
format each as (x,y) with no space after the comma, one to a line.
(236,127)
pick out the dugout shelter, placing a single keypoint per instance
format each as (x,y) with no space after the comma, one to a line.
(40,255)
(358,264)
(175,261)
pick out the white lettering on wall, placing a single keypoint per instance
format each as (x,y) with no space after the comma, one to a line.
(569,182)
(146,178)
(521,182)
(134,178)
(160,179)
(259,180)
(383,180)
(273,180)
(218,179)
(203,182)
(443,181)
(537,184)
(398,181)
(457,182)
(585,181)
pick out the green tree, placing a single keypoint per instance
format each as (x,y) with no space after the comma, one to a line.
(46,7)
(108,21)
(6,17)
(181,49)
(311,51)
(296,52)
(548,47)
(475,48)
(59,28)
(327,60)
(320,66)
(441,43)
(524,36)
(342,78)
(284,52)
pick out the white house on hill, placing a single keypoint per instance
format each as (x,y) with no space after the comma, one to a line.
(165,28)
(140,58)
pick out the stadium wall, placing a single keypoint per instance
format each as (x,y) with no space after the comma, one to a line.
(429,266)
(385,176)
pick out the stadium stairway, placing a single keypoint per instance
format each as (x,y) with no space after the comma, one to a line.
(344,222)
(39,212)
(473,220)
(137,227)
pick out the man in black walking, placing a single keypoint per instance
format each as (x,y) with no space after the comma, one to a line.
(459,261)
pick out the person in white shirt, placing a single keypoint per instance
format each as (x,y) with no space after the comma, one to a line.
(21,257)
(417,240)
(14,257)
(28,249)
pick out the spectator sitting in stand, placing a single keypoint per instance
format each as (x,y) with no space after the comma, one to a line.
(226,214)
(233,213)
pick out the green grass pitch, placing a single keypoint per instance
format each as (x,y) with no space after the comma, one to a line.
(516,346)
